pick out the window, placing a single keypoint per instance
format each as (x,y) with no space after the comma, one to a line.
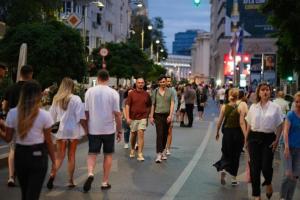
(83,10)
(68,7)
(99,18)
(109,27)
(75,7)
(98,42)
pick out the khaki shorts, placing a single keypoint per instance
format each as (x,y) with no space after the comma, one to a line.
(138,125)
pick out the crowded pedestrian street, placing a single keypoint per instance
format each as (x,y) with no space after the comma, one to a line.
(187,174)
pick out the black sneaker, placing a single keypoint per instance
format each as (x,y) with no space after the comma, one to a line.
(11,182)
(50,182)
(88,183)
(105,186)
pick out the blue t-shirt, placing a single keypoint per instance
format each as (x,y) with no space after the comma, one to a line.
(294,132)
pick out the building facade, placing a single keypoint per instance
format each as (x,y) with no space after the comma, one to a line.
(200,57)
(178,66)
(228,16)
(183,42)
(96,23)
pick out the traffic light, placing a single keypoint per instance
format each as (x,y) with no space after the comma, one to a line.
(290,78)
(197,2)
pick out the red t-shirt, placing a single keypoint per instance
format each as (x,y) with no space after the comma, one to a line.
(139,104)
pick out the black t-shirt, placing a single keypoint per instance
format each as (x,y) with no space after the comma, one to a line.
(12,94)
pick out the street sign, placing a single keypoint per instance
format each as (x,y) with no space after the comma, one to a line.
(103,52)
(73,20)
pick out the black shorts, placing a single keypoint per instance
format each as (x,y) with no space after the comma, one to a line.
(96,141)
(200,108)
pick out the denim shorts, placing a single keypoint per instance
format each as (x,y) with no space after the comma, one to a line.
(292,164)
(96,141)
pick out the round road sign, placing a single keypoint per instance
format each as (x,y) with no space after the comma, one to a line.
(103,52)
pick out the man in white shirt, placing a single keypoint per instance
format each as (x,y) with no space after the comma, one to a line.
(221,95)
(104,119)
(284,105)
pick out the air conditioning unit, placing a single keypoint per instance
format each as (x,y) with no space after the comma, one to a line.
(94,25)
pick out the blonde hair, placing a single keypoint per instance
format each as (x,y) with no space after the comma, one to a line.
(233,94)
(297,95)
(28,107)
(62,97)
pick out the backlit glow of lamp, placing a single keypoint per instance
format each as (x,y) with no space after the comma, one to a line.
(218,82)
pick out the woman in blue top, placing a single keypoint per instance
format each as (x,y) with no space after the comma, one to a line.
(291,151)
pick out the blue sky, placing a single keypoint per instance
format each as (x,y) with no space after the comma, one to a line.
(180,15)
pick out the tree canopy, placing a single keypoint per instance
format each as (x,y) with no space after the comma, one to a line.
(126,60)
(15,12)
(54,50)
(284,15)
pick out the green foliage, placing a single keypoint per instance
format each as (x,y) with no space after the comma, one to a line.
(126,60)
(140,22)
(284,15)
(5,83)
(54,51)
(20,11)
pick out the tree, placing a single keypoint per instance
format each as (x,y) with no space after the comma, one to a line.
(284,15)
(126,60)
(54,51)
(140,22)
(15,12)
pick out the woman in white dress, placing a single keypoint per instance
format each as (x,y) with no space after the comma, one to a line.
(68,110)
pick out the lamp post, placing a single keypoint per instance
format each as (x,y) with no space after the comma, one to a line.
(157,46)
(150,27)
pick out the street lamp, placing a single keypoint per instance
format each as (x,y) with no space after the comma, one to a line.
(157,46)
(139,4)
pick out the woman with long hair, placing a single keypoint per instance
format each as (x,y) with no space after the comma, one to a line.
(291,159)
(68,110)
(232,116)
(32,126)
(264,128)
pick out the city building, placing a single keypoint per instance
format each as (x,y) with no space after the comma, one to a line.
(200,58)
(229,17)
(183,42)
(139,7)
(178,66)
(98,21)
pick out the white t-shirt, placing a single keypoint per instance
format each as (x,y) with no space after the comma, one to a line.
(284,105)
(221,93)
(36,133)
(265,119)
(101,102)
(69,127)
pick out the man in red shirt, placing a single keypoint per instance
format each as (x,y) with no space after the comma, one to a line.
(137,110)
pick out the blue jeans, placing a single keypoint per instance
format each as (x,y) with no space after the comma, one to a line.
(292,165)
(126,131)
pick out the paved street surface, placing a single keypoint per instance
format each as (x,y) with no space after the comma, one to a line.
(187,174)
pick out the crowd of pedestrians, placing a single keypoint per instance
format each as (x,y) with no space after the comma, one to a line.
(106,113)
(259,129)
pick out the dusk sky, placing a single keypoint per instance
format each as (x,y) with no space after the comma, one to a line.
(180,15)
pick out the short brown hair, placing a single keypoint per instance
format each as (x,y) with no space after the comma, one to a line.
(103,75)
(297,95)
(258,89)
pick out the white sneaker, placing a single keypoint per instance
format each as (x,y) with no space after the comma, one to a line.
(126,146)
(164,156)
(234,182)
(168,152)
(158,158)
(132,153)
(140,157)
